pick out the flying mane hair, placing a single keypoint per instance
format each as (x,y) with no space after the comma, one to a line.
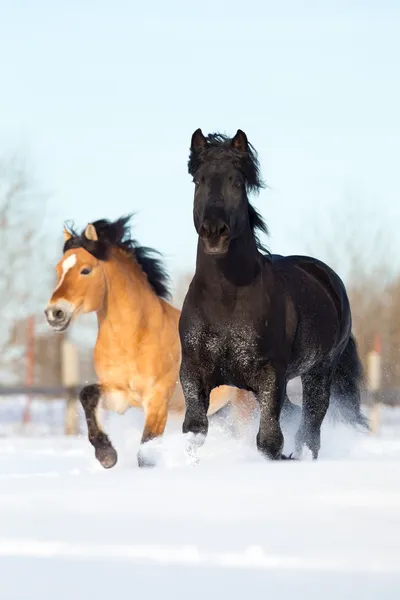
(117,234)
(219,147)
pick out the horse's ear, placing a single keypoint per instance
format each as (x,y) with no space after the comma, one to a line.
(198,140)
(67,235)
(91,233)
(239,142)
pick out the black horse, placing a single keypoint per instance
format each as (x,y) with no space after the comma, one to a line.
(254,320)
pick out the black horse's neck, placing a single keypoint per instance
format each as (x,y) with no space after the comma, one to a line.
(238,268)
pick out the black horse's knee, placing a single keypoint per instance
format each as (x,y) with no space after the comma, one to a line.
(196,424)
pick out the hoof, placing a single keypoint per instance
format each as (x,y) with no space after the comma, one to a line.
(106,456)
(192,457)
(193,445)
(145,462)
(290,457)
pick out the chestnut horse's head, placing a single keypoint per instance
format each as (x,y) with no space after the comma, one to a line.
(95,257)
(80,282)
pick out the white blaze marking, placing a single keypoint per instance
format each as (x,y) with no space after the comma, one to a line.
(66,266)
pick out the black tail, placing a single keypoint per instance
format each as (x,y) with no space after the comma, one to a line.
(347,385)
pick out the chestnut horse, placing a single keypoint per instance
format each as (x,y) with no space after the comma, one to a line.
(137,353)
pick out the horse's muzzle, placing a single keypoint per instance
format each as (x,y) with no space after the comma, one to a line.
(58,317)
(215,236)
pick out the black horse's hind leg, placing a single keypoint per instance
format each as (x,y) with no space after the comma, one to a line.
(197,400)
(104,451)
(316,394)
(271,396)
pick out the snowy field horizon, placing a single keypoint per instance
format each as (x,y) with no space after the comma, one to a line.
(233,525)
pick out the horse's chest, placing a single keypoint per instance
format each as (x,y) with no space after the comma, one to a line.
(224,349)
(230,349)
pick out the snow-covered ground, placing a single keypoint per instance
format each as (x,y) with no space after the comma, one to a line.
(234,526)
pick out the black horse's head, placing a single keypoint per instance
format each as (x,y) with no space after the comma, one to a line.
(224,170)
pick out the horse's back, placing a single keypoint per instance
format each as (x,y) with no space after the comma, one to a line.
(316,290)
(312,265)
(315,268)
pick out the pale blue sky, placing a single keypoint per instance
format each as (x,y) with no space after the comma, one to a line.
(104,96)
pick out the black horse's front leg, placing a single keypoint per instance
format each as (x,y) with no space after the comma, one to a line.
(271,395)
(104,451)
(197,399)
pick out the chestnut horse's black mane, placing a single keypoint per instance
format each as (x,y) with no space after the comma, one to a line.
(219,148)
(117,234)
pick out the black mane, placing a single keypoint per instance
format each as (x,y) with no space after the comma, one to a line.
(219,147)
(117,234)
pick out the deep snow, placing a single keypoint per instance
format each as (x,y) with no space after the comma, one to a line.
(234,526)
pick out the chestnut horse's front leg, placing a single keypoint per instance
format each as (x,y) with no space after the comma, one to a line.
(156,413)
(105,453)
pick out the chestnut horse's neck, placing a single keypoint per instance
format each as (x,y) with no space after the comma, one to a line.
(131,310)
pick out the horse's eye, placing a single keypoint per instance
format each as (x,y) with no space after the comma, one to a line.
(196,182)
(86,271)
(238,183)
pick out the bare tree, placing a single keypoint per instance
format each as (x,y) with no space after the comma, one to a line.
(22,258)
(356,244)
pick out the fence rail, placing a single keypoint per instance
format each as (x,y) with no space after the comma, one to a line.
(70,394)
(38,390)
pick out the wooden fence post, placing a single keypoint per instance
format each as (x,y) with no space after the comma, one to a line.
(374,382)
(70,379)
(29,366)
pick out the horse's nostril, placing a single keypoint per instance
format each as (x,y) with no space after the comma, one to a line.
(203,231)
(216,229)
(54,314)
(223,230)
